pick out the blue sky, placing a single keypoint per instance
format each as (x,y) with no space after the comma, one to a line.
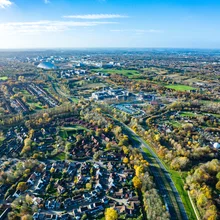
(109,23)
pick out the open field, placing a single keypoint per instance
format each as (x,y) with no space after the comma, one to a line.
(74,100)
(175,123)
(155,70)
(24,92)
(94,85)
(74,128)
(189,114)
(37,105)
(125,72)
(61,156)
(178,181)
(180,87)
(72,131)
(4,78)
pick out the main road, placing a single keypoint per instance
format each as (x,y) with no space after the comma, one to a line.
(162,177)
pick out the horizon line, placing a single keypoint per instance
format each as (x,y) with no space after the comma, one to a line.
(82,48)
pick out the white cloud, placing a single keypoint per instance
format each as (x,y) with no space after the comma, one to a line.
(96,16)
(45,26)
(5,3)
(46,1)
(138,31)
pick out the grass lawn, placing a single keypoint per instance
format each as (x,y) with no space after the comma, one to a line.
(52,191)
(4,78)
(72,131)
(175,123)
(75,100)
(63,134)
(205,102)
(60,156)
(156,70)
(189,114)
(180,87)
(24,92)
(37,105)
(178,181)
(74,128)
(47,89)
(147,152)
(125,72)
(216,115)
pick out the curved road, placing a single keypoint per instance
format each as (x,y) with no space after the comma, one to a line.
(162,177)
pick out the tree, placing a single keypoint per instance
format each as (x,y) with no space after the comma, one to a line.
(21,186)
(218,185)
(108,146)
(84,217)
(202,200)
(179,163)
(27,146)
(125,150)
(111,214)
(52,170)
(137,182)
(12,216)
(139,170)
(26,217)
(125,160)
(188,127)
(46,116)
(88,186)
(22,208)
(157,137)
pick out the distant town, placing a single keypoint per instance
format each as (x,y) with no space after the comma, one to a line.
(94,134)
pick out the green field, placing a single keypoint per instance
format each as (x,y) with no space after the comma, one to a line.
(72,131)
(61,156)
(24,92)
(3,78)
(180,87)
(63,134)
(189,114)
(216,115)
(75,100)
(125,72)
(37,105)
(74,128)
(175,123)
(178,181)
